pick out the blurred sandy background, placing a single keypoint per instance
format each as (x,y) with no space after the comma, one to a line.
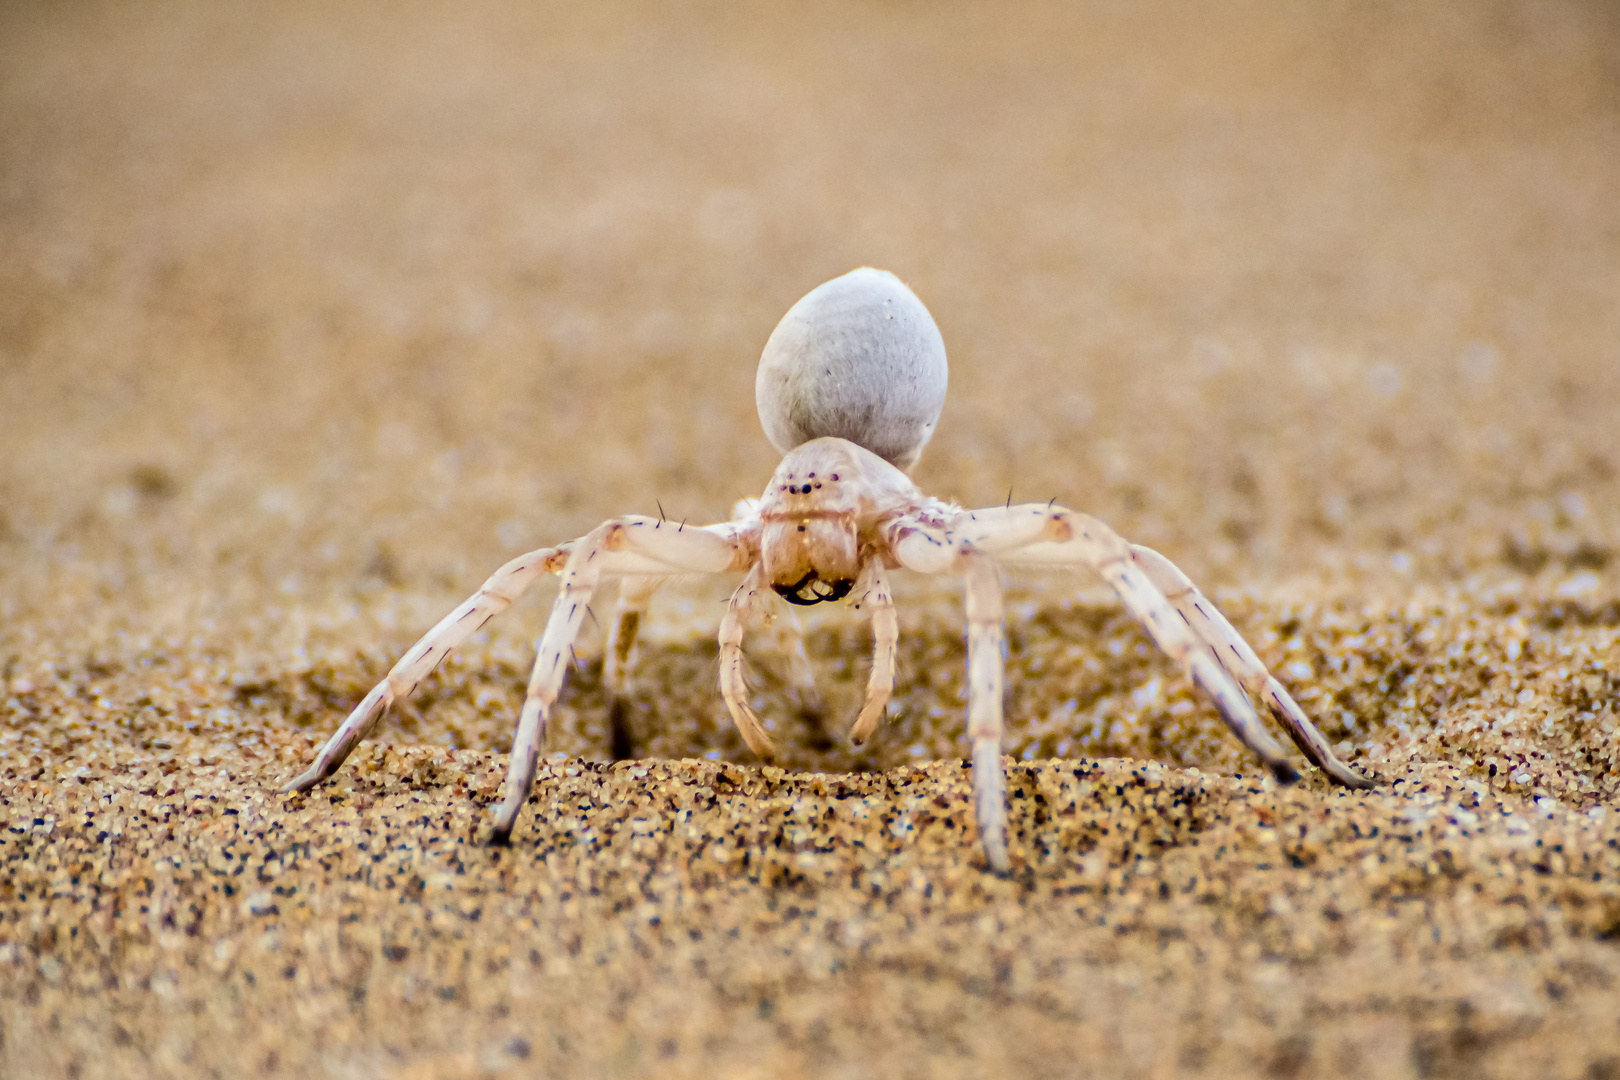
(310,315)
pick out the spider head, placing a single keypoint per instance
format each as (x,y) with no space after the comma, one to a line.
(810,545)
(811,558)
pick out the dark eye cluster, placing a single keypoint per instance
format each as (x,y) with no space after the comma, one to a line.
(804,488)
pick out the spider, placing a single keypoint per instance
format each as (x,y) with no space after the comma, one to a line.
(849,388)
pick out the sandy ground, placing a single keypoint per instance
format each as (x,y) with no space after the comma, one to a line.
(311,316)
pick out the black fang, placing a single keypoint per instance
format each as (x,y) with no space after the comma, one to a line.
(811,589)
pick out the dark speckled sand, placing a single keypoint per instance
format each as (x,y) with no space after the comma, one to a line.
(310,316)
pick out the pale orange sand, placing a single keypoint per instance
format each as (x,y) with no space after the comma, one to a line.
(309,318)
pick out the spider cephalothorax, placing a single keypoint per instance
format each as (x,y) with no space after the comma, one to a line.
(819,513)
(810,542)
(849,389)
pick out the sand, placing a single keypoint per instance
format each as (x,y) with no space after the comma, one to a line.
(311,316)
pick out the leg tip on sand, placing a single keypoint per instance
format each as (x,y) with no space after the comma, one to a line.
(1356,781)
(301,783)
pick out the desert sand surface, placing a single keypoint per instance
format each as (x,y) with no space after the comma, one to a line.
(312,315)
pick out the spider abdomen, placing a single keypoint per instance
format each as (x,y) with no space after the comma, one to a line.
(858,358)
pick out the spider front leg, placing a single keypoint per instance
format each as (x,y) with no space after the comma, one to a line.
(493,597)
(885,635)
(733,686)
(919,546)
(630,546)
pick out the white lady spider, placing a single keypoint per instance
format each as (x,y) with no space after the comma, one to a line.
(849,388)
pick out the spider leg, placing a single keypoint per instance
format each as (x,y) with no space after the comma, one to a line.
(923,548)
(1238,658)
(885,634)
(579,580)
(635,593)
(984,706)
(647,542)
(1038,534)
(733,686)
(493,597)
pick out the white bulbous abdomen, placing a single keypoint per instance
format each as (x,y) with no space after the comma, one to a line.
(858,358)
